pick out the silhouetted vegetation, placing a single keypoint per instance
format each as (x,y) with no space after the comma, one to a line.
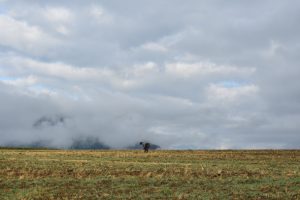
(138,146)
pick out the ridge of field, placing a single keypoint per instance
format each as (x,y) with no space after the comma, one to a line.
(132,174)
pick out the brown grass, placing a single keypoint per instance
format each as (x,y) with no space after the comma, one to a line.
(60,174)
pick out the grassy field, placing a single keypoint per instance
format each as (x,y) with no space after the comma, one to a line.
(59,174)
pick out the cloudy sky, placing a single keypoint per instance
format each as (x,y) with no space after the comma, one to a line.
(194,74)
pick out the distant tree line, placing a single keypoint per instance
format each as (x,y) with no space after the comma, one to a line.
(77,143)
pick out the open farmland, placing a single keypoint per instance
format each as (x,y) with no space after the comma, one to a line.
(124,174)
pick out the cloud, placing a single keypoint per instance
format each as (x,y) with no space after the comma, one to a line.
(58,14)
(203,69)
(203,74)
(24,37)
(23,66)
(21,82)
(49,121)
(225,94)
(99,14)
(151,46)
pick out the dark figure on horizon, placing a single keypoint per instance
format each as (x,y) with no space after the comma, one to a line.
(146,146)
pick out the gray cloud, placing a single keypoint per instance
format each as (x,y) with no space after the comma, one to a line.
(204,74)
(49,121)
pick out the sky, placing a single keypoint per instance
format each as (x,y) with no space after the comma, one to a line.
(199,74)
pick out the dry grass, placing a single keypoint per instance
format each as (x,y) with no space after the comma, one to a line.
(58,174)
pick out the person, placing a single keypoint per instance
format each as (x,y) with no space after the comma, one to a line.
(146,146)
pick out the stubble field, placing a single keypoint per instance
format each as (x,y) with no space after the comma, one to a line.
(132,174)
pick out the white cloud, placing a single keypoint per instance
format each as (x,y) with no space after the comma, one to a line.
(63,30)
(58,14)
(21,82)
(152,46)
(52,19)
(61,18)
(100,14)
(57,69)
(24,37)
(205,68)
(144,70)
(221,94)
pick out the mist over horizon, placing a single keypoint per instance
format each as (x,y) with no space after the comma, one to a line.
(205,74)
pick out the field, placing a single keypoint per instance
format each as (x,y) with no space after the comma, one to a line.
(132,174)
